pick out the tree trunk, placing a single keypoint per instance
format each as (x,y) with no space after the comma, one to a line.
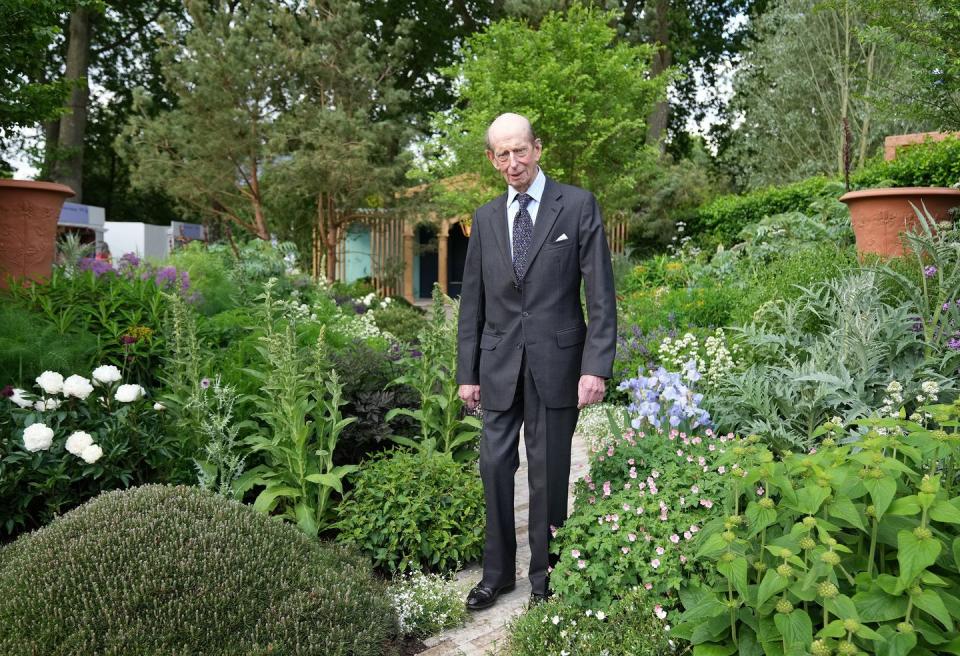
(68,169)
(657,122)
(51,142)
(868,109)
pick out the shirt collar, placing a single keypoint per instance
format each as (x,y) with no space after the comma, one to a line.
(535,191)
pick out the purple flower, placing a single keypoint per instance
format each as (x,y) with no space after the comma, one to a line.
(129,261)
(128,339)
(930,271)
(954,344)
(99,267)
(205,383)
(7,391)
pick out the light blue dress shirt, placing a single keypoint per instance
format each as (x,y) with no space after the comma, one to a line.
(513,205)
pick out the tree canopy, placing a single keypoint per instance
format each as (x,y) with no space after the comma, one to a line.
(587,94)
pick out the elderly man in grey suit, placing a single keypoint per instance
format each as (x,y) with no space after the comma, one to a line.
(525,350)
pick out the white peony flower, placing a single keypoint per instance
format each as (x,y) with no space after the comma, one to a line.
(37,437)
(91,453)
(106,374)
(50,382)
(19,399)
(159,407)
(78,441)
(49,404)
(77,386)
(128,393)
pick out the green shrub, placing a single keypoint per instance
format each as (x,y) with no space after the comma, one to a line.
(210,277)
(784,277)
(661,307)
(403,321)
(931,164)
(175,570)
(412,510)
(724,218)
(30,343)
(635,628)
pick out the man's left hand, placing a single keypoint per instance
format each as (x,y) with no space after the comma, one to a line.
(590,390)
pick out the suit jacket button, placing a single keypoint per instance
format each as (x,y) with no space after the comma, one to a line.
(526,314)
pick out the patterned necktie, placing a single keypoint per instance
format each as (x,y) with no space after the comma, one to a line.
(522,235)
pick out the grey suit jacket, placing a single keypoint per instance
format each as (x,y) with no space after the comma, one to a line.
(499,318)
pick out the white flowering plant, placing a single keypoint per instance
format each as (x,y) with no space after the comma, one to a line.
(426,604)
(637,627)
(71,438)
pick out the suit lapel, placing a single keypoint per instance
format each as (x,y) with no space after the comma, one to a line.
(498,220)
(550,207)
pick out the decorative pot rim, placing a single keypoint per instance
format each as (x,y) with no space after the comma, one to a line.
(881,192)
(38,185)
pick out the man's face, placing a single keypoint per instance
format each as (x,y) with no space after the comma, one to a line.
(514,155)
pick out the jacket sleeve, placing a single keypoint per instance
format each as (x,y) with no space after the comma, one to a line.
(472,316)
(597,271)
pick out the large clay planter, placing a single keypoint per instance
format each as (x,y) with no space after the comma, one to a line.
(29,212)
(881,216)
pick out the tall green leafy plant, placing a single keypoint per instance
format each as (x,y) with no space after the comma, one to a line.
(299,407)
(443,425)
(851,549)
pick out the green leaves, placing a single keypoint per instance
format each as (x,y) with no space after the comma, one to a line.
(915,555)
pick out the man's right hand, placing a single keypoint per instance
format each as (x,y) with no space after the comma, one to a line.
(470,395)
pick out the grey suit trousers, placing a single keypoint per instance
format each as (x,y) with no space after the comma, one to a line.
(547,434)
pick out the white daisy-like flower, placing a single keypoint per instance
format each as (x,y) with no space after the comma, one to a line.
(37,437)
(159,407)
(50,382)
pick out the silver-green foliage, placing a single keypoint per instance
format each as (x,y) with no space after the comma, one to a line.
(222,464)
(176,570)
(830,353)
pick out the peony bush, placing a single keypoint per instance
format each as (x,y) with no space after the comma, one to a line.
(72,437)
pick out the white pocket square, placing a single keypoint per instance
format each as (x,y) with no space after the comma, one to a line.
(562,237)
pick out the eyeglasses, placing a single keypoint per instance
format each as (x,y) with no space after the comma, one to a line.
(519,153)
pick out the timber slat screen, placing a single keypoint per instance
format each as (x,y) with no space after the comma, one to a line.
(386,254)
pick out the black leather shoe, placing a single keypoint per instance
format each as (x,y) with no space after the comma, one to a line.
(483,597)
(537,598)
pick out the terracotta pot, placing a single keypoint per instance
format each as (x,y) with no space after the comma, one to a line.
(29,212)
(881,216)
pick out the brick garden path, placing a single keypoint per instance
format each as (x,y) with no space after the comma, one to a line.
(485,631)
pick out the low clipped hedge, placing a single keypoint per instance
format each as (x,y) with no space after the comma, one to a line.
(930,164)
(723,218)
(177,570)
(935,163)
